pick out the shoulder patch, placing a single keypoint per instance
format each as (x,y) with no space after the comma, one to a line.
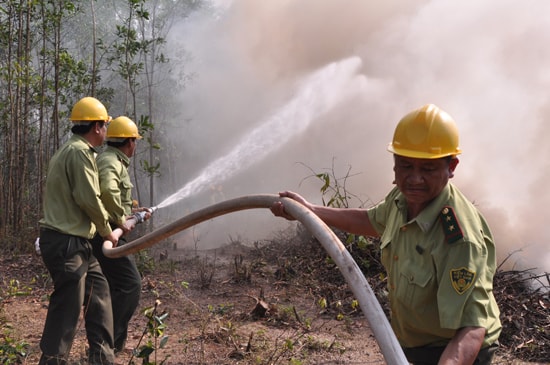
(462,279)
(451,228)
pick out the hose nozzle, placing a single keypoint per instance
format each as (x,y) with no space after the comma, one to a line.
(140,216)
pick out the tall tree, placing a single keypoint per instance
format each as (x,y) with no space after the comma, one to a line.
(138,52)
(48,62)
(18,80)
(39,79)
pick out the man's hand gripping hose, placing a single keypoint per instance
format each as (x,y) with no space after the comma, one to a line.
(141,216)
(137,217)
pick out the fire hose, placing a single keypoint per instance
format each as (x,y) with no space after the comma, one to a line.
(389,346)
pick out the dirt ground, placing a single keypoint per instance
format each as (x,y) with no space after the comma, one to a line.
(237,304)
(215,301)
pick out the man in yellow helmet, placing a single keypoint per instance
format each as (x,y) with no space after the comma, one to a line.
(116,194)
(73,214)
(436,247)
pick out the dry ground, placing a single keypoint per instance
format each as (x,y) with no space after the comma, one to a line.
(238,304)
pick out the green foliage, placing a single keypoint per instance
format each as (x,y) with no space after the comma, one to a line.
(14,288)
(335,194)
(289,344)
(146,127)
(151,169)
(12,351)
(220,309)
(145,262)
(133,57)
(51,54)
(130,45)
(153,335)
(333,189)
(363,250)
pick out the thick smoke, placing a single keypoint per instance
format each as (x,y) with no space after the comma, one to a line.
(484,62)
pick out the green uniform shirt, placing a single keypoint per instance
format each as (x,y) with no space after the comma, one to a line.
(440,268)
(116,187)
(71,203)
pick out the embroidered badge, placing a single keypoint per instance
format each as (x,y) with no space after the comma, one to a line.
(451,228)
(462,279)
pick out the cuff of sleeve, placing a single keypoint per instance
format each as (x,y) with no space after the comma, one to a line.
(105,231)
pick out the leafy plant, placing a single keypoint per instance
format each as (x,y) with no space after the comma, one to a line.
(11,351)
(333,189)
(145,262)
(154,334)
(335,194)
(14,288)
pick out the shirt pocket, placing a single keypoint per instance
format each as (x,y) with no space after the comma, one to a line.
(126,191)
(127,185)
(414,287)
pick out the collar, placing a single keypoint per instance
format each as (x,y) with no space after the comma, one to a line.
(78,137)
(427,218)
(121,156)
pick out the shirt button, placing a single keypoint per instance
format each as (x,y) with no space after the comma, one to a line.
(403,229)
(395,258)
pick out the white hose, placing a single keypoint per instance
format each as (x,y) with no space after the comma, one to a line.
(393,354)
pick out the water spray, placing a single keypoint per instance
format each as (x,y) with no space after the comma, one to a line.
(314,96)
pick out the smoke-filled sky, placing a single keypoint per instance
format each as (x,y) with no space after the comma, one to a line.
(487,63)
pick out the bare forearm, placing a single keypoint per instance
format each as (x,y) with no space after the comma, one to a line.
(464,347)
(354,221)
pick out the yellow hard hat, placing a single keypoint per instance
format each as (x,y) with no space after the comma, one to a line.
(427,132)
(123,127)
(89,109)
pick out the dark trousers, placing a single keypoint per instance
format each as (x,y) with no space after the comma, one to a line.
(431,355)
(125,286)
(78,282)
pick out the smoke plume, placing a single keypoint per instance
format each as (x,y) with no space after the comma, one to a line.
(484,62)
